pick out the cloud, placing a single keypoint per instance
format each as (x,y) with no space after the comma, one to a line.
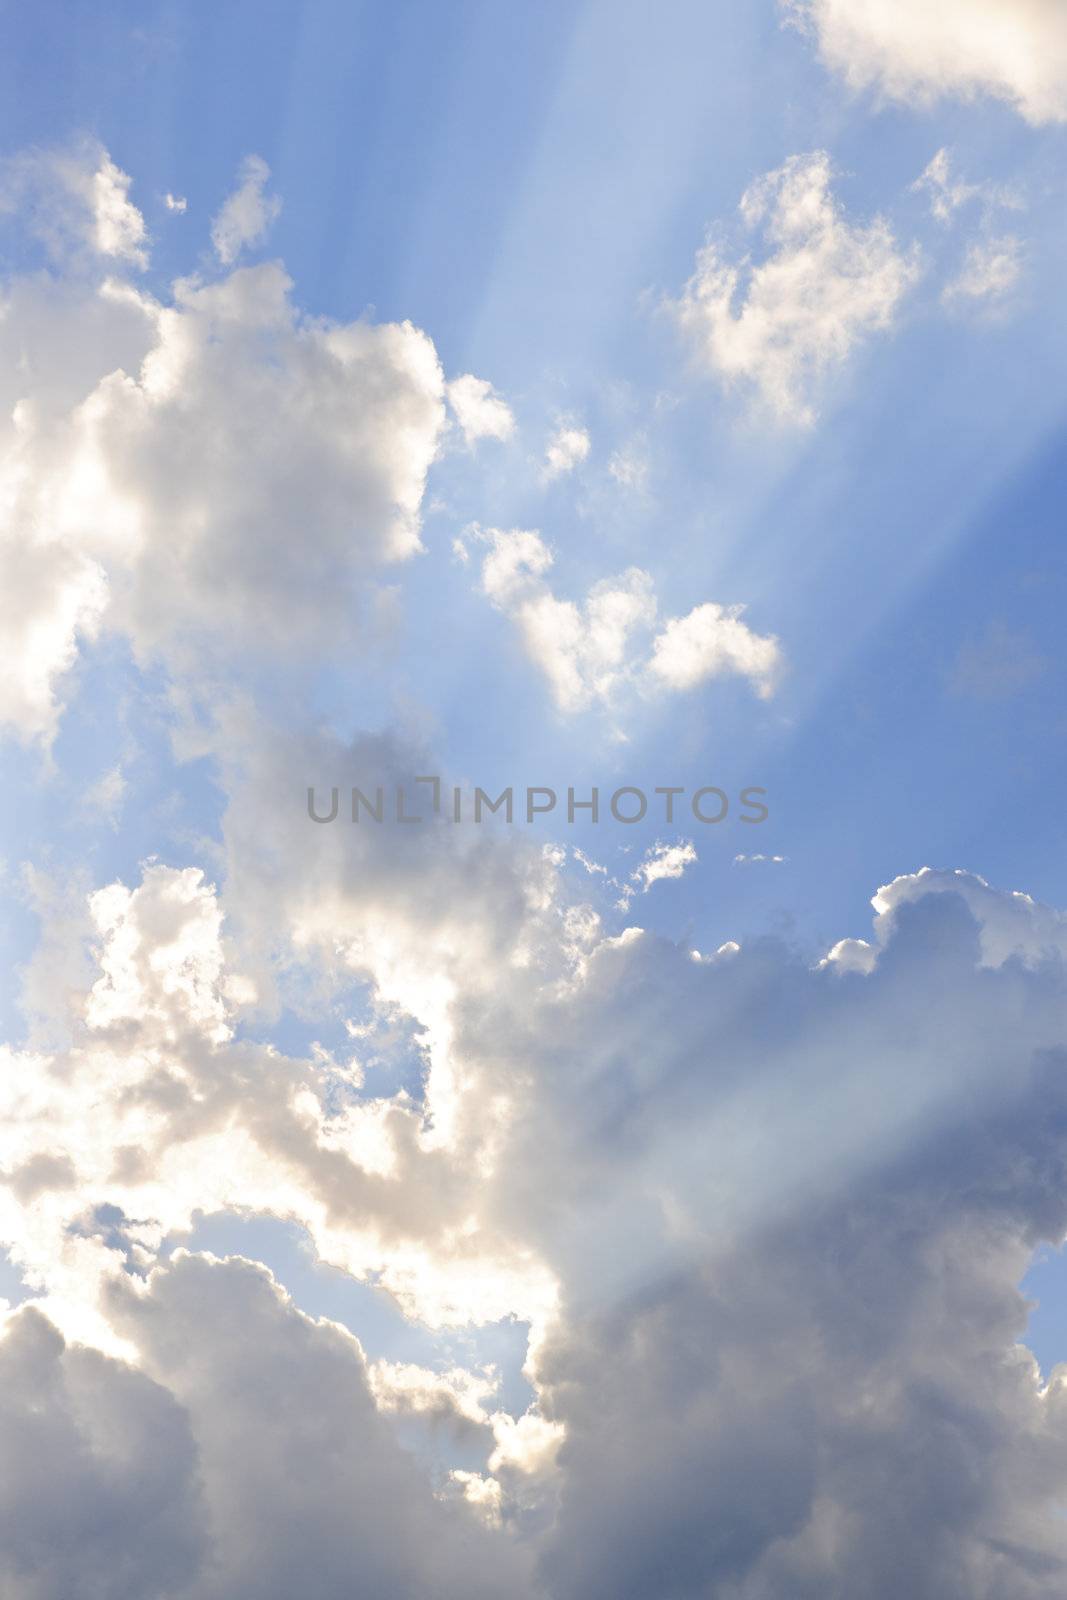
(479,410)
(629,467)
(161,956)
(946,193)
(661,862)
(244,1455)
(566,449)
(993,263)
(160,1110)
(713,642)
(790,1259)
(198,473)
(592,650)
(75,200)
(991,269)
(1013,50)
(246,214)
(787,1208)
(292,425)
(665,861)
(783,325)
(99,1492)
(581,649)
(52,599)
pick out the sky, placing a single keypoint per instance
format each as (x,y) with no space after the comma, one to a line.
(585,398)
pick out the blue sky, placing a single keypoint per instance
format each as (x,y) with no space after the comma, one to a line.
(439,1084)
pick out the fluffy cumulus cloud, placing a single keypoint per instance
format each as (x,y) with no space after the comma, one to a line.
(782,324)
(99,1492)
(255,466)
(1014,50)
(199,472)
(591,651)
(566,449)
(479,410)
(713,642)
(243,1454)
(802,1297)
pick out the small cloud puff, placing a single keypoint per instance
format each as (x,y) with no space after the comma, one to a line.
(567,448)
(246,214)
(479,410)
(991,269)
(661,861)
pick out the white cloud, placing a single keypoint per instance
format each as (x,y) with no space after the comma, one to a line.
(1009,925)
(199,473)
(566,449)
(783,325)
(51,599)
(591,650)
(661,862)
(406,1388)
(246,214)
(581,649)
(991,269)
(161,957)
(713,642)
(311,444)
(479,410)
(665,861)
(159,1111)
(75,200)
(175,202)
(947,193)
(244,481)
(1013,50)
